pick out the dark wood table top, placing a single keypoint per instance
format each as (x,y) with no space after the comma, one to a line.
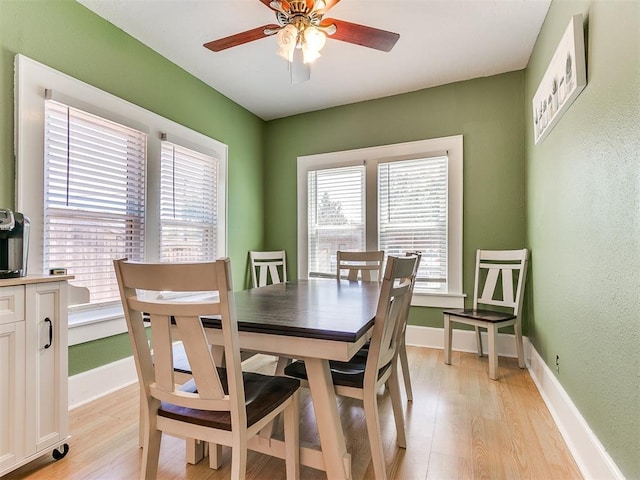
(317,308)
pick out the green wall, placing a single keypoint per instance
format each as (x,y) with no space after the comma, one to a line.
(583,226)
(97,353)
(488,112)
(580,185)
(68,37)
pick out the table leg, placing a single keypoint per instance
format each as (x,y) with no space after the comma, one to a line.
(337,460)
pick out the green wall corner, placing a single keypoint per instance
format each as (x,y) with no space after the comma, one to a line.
(583,225)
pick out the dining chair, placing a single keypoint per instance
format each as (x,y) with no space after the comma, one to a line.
(265,270)
(402,351)
(494,269)
(365,266)
(266,267)
(364,375)
(218,405)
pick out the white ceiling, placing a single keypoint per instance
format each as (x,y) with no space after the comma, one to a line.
(441,41)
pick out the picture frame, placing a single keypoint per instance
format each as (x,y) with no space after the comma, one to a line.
(564,79)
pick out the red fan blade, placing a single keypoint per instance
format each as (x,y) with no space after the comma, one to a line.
(362,35)
(239,38)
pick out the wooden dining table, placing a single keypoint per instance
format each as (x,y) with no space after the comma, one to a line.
(314,320)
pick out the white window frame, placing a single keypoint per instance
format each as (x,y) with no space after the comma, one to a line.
(31,80)
(215,167)
(451,146)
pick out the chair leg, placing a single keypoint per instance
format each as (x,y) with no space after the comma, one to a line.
(492,334)
(194,450)
(519,347)
(373,429)
(292,438)
(393,385)
(479,341)
(142,428)
(215,456)
(447,340)
(151,452)
(404,365)
(239,456)
(280,366)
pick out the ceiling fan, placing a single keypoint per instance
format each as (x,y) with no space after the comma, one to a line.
(302,30)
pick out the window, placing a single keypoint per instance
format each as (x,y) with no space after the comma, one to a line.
(394,198)
(101,178)
(93,197)
(187,205)
(412,215)
(335,216)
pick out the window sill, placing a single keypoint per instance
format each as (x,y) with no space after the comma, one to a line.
(438,300)
(88,325)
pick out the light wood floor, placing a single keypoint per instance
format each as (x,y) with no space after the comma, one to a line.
(461,425)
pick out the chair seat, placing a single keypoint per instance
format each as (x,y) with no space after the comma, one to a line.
(485,315)
(263,394)
(346,374)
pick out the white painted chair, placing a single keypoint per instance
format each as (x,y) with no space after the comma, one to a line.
(365,266)
(368,267)
(268,267)
(219,405)
(494,268)
(365,374)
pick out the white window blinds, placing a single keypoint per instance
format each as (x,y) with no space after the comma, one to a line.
(188,205)
(412,215)
(336,216)
(94,197)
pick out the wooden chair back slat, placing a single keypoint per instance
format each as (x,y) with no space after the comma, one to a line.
(407,303)
(200,359)
(512,262)
(162,353)
(185,277)
(267,266)
(365,266)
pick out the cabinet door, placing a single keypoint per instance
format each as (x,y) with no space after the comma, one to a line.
(12,401)
(47,409)
(11,304)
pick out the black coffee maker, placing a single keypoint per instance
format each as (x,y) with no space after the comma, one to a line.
(14,243)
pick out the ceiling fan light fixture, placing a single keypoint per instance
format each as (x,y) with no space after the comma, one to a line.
(287,39)
(301,32)
(312,42)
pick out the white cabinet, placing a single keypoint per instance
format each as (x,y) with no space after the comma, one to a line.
(34,417)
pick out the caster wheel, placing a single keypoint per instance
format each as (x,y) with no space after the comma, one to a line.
(60,452)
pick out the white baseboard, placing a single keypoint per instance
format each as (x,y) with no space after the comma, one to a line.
(463,340)
(93,384)
(591,457)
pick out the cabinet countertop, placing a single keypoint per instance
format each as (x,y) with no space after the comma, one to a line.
(29,279)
